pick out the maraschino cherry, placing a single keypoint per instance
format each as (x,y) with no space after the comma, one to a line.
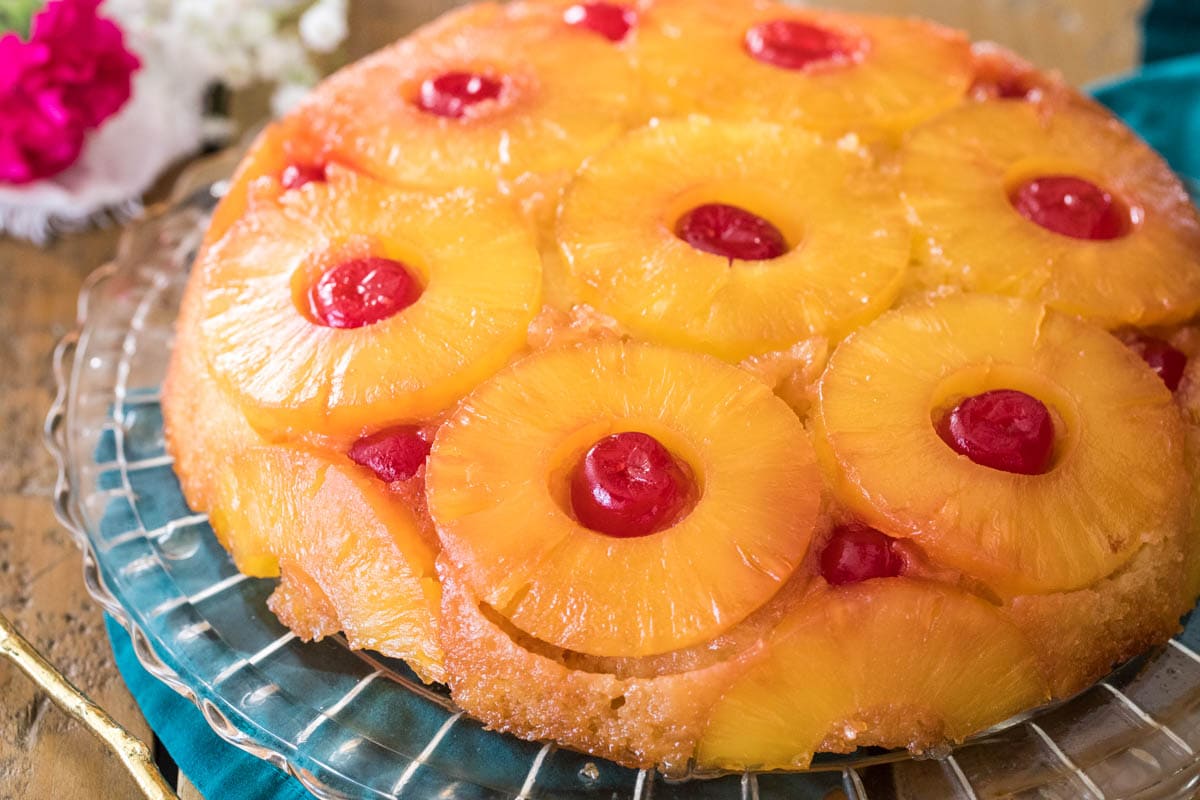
(296,176)
(1164,359)
(362,291)
(731,232)
(1004,82)
(1014,88)
(610,20)
(628,485)
(794,44)
(394,454)
(1003,429)
(856,552)
(1072,207)
(451,94)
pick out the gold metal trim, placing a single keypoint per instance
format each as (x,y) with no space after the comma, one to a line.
(132,752)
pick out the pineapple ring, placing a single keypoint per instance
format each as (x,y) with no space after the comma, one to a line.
(911,70)
(494,488)
(616,232)
(958,172)
(547,119)
(293,377)
(350,556)
(1118,478)
(884,661)
(284,143)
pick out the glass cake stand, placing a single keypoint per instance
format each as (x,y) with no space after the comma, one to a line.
(351,725)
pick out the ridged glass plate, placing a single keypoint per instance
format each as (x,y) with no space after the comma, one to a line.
(355,725)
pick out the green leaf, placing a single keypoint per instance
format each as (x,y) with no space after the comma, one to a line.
(17,15)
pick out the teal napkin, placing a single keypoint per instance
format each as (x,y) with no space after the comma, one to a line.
(1162,103)
(1172,29)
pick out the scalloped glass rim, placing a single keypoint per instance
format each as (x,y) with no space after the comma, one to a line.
(315,710)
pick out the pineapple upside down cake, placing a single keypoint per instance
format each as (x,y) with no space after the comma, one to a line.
(698,383)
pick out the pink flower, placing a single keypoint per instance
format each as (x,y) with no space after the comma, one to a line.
(72,74)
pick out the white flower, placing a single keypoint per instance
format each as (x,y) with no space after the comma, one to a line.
(236,67)
(323,25)
(204,16)
(283,58)
(254,25)
(235,42)
(287,96)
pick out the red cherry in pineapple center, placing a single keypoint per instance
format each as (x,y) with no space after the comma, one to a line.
(611,21)
(1072,207)
(731,232)
(1003,429)
(857,553)
(628,485)
(394,454)
(1012,88)
(453,93)
(1168,362)
(296,176)
(793,44)
(361,292)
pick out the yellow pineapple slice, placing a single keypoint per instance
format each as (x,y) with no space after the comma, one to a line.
(472,254)
(842,239)
(351,557)
(500,487)
(483,97)
(827,71)
(892,662)
(285,156)
(792,373)
(961,172)
(289,153)
(1116,478)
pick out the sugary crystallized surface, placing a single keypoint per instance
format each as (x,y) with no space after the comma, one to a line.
(704,384)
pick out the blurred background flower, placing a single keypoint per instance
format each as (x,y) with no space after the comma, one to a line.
(98,98)
(64,70)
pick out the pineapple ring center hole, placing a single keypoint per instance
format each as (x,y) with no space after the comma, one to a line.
(735,221)
(612,21)
(298,174)
(356,285)
(982,379)
(564,476)
(1069,201)
(998,76)
(796,44)
(457,93)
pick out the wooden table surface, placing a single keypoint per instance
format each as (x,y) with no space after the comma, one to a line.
(43,755)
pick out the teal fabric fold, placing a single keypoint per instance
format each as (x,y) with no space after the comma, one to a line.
(1162,103)
(1172,29)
